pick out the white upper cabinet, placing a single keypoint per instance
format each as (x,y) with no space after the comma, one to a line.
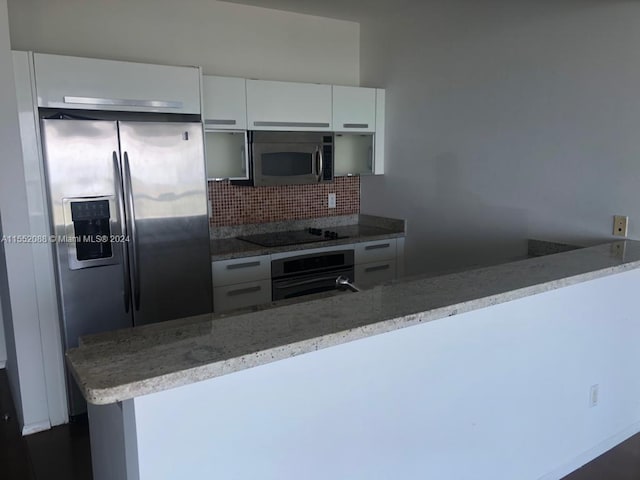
(87,83)
(224,102)
(359,151)
(354,109)
(288,106)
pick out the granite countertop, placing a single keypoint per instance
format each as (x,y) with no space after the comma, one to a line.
(366,228)
(124,364)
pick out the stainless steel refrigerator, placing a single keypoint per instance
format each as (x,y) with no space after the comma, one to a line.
(128,205)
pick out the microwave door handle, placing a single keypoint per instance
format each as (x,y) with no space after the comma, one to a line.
(320,163)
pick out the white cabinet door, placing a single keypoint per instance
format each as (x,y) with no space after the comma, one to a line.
(375,251)
(88,83)
(375,273)
(231,297)
(224,102)
(240,270)
(226,153)
(288,106)
(354,109)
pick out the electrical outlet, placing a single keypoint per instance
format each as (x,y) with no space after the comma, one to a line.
(332,200)
(620,225)
(594,394)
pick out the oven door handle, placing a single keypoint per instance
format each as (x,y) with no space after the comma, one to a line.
(299,283)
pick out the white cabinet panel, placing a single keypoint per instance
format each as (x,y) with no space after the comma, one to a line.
(241,295)
(240,270)
(367,252)
(288,106)
(224,102)
(88,83)
(354,109)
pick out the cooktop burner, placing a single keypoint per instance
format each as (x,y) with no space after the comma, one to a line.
(280,239)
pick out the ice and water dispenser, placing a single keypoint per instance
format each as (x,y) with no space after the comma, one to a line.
(89,232)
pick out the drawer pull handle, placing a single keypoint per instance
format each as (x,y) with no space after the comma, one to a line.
(355,125)
(376,247)
(235,266)
(377,268)
(219,122)
(244,291)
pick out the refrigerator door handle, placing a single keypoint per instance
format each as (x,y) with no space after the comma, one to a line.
(123,226)
(133,231)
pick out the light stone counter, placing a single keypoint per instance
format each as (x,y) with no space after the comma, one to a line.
(129,363)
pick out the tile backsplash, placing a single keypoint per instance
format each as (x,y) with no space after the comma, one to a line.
(237,205)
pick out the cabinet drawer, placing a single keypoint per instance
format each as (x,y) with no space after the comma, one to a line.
(378,250)
(240,270)
(89,83)
(241,295)
(369,274)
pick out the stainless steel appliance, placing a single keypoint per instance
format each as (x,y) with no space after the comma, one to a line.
(129,211)
(289,158)
(311,273)
(281,239)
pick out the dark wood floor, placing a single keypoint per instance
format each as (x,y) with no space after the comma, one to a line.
(63,453)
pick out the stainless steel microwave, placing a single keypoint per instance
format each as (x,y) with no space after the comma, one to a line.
(291,158)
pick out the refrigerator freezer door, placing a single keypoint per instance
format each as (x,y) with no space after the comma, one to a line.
(166,202)
(82,181)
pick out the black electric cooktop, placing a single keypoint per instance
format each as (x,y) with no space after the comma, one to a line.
(281,239)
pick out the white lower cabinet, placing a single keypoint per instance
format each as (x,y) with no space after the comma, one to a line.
(230,297)
(367,252)
(241,282)
(370,274)
(376,262)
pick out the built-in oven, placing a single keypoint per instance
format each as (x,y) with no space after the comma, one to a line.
(290,158)
(299,275)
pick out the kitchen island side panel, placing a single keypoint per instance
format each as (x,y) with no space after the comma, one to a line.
(500,392)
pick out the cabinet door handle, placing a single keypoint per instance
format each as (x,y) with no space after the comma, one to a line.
(235,266)
(355,125)
(122,102)
(377,268)
(291,124)
(244,291)
(378,246)
(220,122)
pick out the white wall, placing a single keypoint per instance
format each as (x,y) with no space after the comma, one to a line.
(499,393)
(505,120)
(224,38)
(17,280)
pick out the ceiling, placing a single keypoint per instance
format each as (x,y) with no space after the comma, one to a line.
(353,10)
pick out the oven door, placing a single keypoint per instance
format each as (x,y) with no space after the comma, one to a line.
(307,284)
(286,163)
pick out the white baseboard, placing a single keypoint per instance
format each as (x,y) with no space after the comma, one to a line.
(35,428)
(592,453)
(3,364)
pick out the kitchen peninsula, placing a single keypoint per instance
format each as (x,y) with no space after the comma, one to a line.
(481,374)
